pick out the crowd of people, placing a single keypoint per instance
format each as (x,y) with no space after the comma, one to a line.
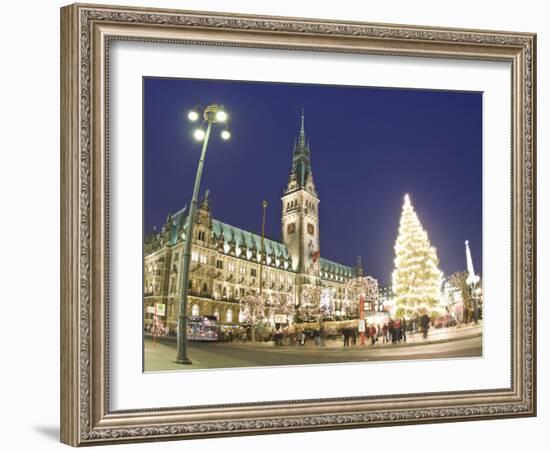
(394,331)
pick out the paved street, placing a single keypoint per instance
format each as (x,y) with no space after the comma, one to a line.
(441,344)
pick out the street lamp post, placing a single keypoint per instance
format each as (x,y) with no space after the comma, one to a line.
(264,206)
(212,114)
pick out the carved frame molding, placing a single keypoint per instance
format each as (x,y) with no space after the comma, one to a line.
(86,32)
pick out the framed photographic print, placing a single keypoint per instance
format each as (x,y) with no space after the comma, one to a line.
(275,224)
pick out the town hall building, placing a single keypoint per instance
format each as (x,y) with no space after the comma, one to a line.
(226,260)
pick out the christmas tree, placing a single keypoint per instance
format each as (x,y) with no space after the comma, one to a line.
(416,276)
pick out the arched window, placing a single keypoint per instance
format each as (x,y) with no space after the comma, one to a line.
(229,316)
(217,313)
(205,288)
(195,310)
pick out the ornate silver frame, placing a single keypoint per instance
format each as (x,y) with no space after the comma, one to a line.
(86,31)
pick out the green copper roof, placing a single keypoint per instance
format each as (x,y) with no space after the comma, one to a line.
(250,240)
(336,268)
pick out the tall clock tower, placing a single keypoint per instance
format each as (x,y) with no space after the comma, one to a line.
(300,213)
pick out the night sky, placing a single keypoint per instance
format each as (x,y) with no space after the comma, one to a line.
(369,146)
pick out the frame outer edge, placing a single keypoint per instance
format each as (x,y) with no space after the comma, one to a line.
(81,414)
(534,175)
(69,208)
(533,224)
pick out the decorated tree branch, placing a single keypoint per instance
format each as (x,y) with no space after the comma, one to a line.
(253,310)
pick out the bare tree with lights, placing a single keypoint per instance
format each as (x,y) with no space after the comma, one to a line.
(315,305)
(366,287)
(282,303)
(253,311)
(416,276)
(459,282)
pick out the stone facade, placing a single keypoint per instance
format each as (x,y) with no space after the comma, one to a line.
(225,261)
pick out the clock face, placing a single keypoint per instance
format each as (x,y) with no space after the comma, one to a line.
(291,228)
(310,228)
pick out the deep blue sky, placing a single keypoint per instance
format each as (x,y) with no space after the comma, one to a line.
(369,146)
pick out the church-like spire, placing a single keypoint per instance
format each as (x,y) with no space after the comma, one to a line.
(301,165)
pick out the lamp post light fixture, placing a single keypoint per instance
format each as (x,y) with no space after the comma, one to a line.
(212,114)
(193,115)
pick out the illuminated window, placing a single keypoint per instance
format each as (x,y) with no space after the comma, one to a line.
(195,310)
(194,256)
(203,258)
(231,267)
(229,315)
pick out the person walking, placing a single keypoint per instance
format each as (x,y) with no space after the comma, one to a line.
(317,337)
(385,333)
(425,325)
(398,330)
(346,333)
(372,333)
(391,329)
